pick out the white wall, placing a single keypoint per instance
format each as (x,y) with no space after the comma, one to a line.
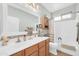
(1,18)
(44,11)
(26,19)
(51,26)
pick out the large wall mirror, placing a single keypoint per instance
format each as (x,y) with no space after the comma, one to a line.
(17,20)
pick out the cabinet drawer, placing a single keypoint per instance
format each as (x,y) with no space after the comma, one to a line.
(41,44)
(31,49)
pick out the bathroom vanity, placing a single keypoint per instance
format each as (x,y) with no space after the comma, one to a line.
(39,49)
(38,46)
(22,45)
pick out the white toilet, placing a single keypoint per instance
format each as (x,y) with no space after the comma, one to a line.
(53,48)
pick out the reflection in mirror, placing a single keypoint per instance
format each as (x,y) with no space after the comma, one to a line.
(25,19)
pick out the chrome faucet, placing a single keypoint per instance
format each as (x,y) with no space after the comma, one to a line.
(24,37)
(18,40)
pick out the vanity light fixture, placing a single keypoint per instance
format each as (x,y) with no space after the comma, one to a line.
(33,6)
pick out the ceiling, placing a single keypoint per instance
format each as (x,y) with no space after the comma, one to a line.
(52,7)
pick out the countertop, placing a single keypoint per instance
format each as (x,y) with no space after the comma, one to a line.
(12,48)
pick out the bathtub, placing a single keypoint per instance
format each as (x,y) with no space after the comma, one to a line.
(71,50)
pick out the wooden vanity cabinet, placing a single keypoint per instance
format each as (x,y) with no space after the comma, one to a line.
(40,49)
(20,53)
(44,48)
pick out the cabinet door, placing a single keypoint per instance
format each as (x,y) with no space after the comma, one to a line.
(47,47)
(31,50)
(34,54)
(46,21)
(42,51)
(21,53)
(41,44)
(42,21)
